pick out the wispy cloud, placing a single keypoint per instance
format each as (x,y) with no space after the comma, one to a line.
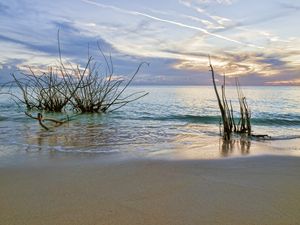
(241,37)
(284,82)
(225,2)
(136,13)
(3,8)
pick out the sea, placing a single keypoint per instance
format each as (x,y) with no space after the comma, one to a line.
(171,123)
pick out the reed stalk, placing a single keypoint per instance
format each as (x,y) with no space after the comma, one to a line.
(226,110)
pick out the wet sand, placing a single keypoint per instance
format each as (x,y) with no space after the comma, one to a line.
(253,190)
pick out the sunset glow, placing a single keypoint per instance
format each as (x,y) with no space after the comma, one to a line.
(255,40)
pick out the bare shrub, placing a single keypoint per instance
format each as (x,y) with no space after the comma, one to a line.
(47,91)
(68,86)
(103,93)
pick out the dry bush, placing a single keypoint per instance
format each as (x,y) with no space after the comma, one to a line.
(46,91)
(103,92)
(68,86)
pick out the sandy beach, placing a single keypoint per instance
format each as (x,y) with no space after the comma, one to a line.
(154,112)
(252,190)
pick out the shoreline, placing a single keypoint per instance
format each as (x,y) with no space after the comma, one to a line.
(244,190)
(214,150)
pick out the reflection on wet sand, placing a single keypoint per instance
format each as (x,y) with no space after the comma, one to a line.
(230,147)
(91,137)
(86,137)
(95,138)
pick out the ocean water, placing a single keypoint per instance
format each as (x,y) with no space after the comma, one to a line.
(171,122)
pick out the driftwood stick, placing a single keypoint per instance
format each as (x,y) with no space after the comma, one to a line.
(260,136)
(41,119)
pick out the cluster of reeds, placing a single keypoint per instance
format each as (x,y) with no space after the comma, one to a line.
(244,124)
(67,86)
(226,109)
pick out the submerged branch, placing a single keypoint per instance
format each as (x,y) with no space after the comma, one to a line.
(41,119)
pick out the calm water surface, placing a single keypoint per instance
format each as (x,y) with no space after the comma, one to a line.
(172,122)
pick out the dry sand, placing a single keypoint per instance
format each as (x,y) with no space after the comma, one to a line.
(253,190)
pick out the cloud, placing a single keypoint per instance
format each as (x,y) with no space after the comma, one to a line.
(6,70)
(295,82)
(213,23)
(174,39)
(36,50)
(290,6)
(180,24)
(3,8)
(233,62)
(224,2)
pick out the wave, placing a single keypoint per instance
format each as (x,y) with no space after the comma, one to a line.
(276,121)
(18,118)
(85,151)
(285,138)
(74,150)
(287,120)
(185,118)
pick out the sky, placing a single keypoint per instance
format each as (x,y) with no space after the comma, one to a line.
(257,41)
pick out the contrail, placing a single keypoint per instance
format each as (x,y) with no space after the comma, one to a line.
(169,22)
